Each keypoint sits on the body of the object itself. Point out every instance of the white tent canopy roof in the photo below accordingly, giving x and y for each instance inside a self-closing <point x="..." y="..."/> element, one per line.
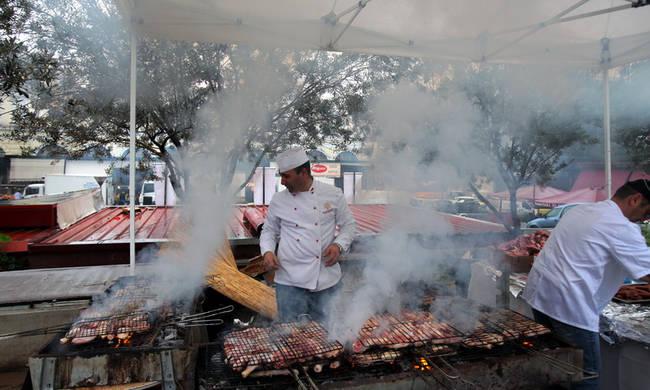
<point x="502" y="31"/>
<point x="563" y="32"/>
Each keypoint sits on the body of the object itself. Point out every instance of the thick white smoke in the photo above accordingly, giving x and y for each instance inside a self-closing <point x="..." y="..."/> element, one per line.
<point x="422" y="142"/>
<point x="222" y="127"/>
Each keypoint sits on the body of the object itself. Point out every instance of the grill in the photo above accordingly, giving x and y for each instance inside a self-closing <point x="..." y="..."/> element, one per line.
<point x="127" y="335"/>
<point x="404" y="348"/>
<point x="279" y="346"/>
<point x="108" y="328"/>
<point x="411" y="328"/>
<point x="512" y="325"/>
<point x="497" y="326"/>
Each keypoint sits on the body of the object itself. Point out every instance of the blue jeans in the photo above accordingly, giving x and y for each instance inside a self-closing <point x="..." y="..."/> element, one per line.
<point x="586" y="340"/>
<point x="294" y="301"/>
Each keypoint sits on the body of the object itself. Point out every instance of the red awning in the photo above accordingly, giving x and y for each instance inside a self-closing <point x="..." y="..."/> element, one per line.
<point x="585" y="195"/>
<point x="530" y="193"/>
<point x="596" y="179"/>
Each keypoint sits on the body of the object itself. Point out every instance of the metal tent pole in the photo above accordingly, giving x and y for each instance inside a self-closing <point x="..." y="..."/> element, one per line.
<point x="607" y="142"/>
<point x="132" y="155"/>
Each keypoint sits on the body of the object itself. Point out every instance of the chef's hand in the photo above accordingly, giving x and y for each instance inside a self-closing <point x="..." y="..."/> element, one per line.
<point x="271" y="261"/>
<point x="331" y="255"/>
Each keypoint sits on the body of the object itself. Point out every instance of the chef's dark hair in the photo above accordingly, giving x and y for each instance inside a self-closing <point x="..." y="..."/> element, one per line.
<point x="634" y="187"/>
<point x="302" y="167"/>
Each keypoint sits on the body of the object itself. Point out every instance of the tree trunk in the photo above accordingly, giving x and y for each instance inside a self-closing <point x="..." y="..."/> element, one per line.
<point x="516" y="223"/>
<point x="490" y="206"/>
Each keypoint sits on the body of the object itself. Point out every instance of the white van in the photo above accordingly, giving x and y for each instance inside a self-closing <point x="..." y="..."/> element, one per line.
<point x="148" y="193"/>
<point x="33" y="190"/>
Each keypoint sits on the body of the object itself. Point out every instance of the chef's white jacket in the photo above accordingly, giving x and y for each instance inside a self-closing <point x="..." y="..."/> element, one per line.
<point x="304" y="224"/>
<point x="590" y="252"/>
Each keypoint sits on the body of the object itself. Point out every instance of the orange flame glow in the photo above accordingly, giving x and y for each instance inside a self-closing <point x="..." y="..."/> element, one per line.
<point x="423" y="365"/>
<point x="123" y="341"/>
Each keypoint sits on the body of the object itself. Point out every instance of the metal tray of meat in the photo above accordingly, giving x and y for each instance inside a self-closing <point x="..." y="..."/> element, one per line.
<point x="633" y="286"/>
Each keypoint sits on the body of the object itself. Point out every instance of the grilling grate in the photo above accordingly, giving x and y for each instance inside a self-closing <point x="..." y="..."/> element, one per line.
<point x="278" y="346"/>
<point x="412" y="328"/>
<point x="502" y="325"/>
<point x="483" y="337"/>
<point x="108" y="326"/>
<point x="513" y="325"/>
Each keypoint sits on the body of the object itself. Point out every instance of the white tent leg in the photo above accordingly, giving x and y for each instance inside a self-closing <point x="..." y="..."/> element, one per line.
<point x="132" y="155"/>
<point x="607" y="134"/>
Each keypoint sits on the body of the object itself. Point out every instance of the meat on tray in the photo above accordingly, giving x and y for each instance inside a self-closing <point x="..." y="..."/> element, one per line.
<point x="525" y="245"/>
<point x="634" y="293"/>
<point x="409" y="328"/>
<point x="278" y="346"/>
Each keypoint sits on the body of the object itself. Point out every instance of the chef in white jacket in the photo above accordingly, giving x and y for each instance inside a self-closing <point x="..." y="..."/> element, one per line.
<point x="591" y="251"/>
<point x="301" y="222"/>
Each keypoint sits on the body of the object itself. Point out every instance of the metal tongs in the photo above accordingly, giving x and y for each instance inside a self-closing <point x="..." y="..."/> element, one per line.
<point x="203" y="319"/>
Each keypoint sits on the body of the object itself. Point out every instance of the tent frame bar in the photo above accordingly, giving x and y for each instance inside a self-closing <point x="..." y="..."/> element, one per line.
<point x="535" y="28"/>
<point x="567" y="19"/>
<point x="132" y="106"/>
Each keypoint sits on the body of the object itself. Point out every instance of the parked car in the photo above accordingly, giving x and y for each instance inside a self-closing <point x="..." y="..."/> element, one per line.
<point x="469" y="205"/>
<point x="552" y="217"/>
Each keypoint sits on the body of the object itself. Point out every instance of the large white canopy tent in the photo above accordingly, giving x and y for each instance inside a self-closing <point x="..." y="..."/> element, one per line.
<point x="596" y="34"/>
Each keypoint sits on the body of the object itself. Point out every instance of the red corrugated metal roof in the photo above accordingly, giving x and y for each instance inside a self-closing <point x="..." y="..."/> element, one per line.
<point x="372" y="218"/>
<point x="111" y="224"/>
<point x="21" y="238"/>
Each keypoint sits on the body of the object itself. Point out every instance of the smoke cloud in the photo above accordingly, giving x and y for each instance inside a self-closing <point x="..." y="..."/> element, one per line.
<point x="422" y="143"/>
<point x="222" y="125"/>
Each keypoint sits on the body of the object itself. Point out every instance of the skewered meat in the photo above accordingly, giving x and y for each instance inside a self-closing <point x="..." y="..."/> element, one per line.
<point x="409" y="328"/>
<point x="483" y="339"/>
<point x="279" y="346"/>
<point x="370" y="358"/>
<point x="496" y="326"/>
<point x="83" y="340"/>
<point x="121" y="327"/>
<point x="512" y="325"/>
<point x="248" y="370"/>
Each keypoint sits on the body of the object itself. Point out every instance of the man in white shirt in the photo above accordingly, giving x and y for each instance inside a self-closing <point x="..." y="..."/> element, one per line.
<point x="301" y="221"/>
<point x="583" y="264"/>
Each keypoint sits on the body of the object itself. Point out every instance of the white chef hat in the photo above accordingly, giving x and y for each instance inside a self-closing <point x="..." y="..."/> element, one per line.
<point x="291" y="158"/>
